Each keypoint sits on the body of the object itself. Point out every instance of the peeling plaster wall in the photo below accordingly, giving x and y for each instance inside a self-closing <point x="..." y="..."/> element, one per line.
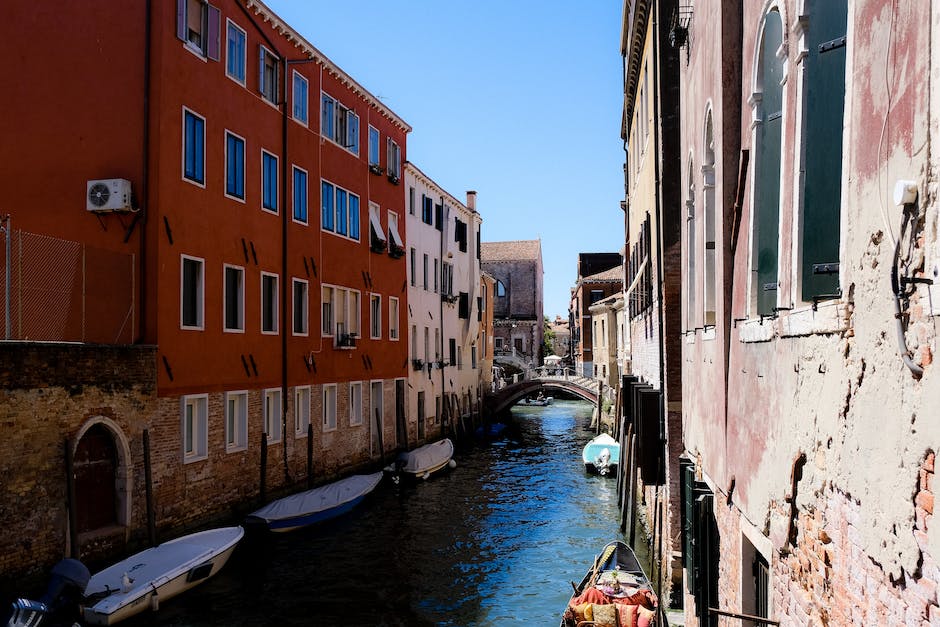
<point x="829" y="383"/>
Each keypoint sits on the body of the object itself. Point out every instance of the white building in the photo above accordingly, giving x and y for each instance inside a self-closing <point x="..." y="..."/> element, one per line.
<point x="444" y="310"/>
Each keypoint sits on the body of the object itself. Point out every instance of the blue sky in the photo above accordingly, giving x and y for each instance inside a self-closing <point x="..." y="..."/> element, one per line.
<point x="519" y="100"/>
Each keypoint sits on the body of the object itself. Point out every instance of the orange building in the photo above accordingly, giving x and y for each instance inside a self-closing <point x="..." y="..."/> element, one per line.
<point x="201" y="178"/>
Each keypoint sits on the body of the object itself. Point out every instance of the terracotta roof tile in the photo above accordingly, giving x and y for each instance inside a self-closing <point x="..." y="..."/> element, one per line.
<point x="510" y="251"/>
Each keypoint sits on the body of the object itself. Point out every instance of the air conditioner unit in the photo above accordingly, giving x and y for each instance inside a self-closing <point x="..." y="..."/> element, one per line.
<point x="108" y="195"/>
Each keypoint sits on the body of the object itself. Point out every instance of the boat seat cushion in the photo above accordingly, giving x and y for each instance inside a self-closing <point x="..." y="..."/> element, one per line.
<point x="645" y="617"/>
<point x="604" y="615"/>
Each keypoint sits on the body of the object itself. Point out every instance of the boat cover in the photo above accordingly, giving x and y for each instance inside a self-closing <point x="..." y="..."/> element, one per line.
<point x="319" y="499"/>
<point x="150" y="569"/>
<point x="427" y="457"/>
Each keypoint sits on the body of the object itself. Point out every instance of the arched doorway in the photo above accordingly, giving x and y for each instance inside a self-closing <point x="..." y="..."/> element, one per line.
<point x="96" y="468"/>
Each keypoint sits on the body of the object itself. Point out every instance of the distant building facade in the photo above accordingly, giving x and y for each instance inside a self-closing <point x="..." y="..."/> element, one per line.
<point x="445" y="304"/>
<point x="599" y="275"/>
<point x="517" y="305"/>
<point x="561" y="344"/>
<point x="604" y="339"/>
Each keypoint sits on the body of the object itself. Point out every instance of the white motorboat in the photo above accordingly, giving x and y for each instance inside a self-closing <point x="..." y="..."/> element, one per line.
<point x="423" y="461"/>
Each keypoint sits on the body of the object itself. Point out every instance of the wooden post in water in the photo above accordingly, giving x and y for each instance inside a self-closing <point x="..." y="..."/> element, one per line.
<point x="264" y="466"/>
<point x="70" y="492"/>
<point x="631" y="493"/>
<point x="378" y="426"/>
<point x="600" y="405"/>
<point x="309" y="455"/>
<point x="148" y="487"/>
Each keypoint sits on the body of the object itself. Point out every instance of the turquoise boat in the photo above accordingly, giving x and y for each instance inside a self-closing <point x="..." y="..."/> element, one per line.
<point x="601" y="455"/>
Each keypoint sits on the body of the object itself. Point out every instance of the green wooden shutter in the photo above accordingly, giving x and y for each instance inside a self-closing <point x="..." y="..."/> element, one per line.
<point x="706" y="557"/>
<point x="686" y="482"/>
<point x="825" y="107"/>
<point x="767" y="212"/>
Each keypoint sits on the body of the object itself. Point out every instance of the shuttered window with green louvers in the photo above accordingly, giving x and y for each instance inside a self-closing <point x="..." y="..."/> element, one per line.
<point x="767" y="178"/>
<point x="824" y="68"/>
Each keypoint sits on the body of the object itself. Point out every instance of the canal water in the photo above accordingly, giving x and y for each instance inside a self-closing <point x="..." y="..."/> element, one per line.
<point x="494" y="542"/>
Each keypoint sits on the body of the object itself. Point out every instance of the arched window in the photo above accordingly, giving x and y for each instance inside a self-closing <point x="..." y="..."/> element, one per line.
<point x="500" y="289"/>
<point x="691" y="233"/>
<point x="824" y="74"/>
<point x="766" y="210"/>
<point x="708" y="192"/>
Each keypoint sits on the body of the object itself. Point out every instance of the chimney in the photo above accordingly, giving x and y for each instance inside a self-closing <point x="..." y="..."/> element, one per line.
<point x="472" y="201"/>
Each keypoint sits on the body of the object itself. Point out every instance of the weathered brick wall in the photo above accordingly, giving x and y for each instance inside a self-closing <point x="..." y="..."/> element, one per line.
<point x="48" y="392"/>
<point x="827" y="578"/>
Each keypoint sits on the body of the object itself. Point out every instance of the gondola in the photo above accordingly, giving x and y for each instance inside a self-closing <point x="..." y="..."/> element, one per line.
<point x="615" y="591"/>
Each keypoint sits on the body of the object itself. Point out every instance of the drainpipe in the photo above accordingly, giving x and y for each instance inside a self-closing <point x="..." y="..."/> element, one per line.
<point x="8" y="325"/>
<point x="145" y="180"/>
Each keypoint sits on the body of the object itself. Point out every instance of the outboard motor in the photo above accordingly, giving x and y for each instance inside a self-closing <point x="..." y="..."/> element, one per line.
<point x="60" y="605"/>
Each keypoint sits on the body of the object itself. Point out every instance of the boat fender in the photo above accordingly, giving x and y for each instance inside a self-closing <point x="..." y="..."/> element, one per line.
<point x="154" y="601"/>
<point x="426" y="475"/>
<point x="451" y="464"/>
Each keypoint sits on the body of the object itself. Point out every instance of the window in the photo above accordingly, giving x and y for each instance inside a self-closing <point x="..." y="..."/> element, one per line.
<point x="194" y="425"/>
<point x="411" y="201"/>
<point x="473" y="354"/>
<point x="459" y="357"/>
<point x="339" y="123"/>
<point x="234" y="166"/>
<point x="194" y="147"/>
<point x="498" y="345"/>
<point x="394" y="161"/>
<point x="268" y="303"/>
<point x="823" y="72"/>
<point x="377" y="239"/>
<point x="425" y="271"/>
<point x="268" y="181"/>
<point x="463" y="306"/>
<point x="373" y="146"/>
<point x="191" y="292"/>
<point x="301" y="410"/>
<point x="300" y="195"/>
<point x="414" y="270"/>
<point x="452" y="353"/>
<point x="427" y="210"/>
<point x="460" y="234"/>
<point x="422" y="418"/>
<point x="300" y="98"/>
<point x="355" y="403"/>
<point x="708" y="191"/>
<point x="235" y="56"/>
<point x="340" y="314"/>
<point x="766" y="211"/>
<point x="437" y="344"/>
<point x="375" y="306"/>
<point x="329" y="407"/>
<point x="414" y="342"/>
<point x="596" y="295"/>
<point x="396" y="246"/>
<point x="198" y="24"/>
<point x="691" y="255"/>
<point x="500" y="289"/>
<point x="427" y="348"/>
<point x="437" y="272"/>
<point x="300" y="307"/>
<point x="447" y="279"/>
<point x="340" y="210"/>
<point x="392" y="318"/>
<point x="267" y="75"/>
<point x="234" y="286"/>
<point x="236" y="421"/>
<point x="272" y="414"/>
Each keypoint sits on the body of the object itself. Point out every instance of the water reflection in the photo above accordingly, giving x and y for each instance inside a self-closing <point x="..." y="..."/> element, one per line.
<point x="495" y="542"/>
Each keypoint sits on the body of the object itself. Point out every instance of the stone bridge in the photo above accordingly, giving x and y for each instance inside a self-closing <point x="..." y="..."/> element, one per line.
<point x="507" y="396"/>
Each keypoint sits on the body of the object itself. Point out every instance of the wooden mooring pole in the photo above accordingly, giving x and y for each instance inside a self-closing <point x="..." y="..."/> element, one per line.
<point x="264" y="466"/>
<point x="309" y="455"/>
<point x="378" y="427"/>
<point x="148" y="487"/>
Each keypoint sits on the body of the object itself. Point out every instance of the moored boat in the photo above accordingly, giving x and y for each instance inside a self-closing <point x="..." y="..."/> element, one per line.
<point x="159" y="573"/>
<point x="316" y="505"/>
<point x="423" y="461"/>
<point x="615" y="591"/>
<point x="601" y="455"/>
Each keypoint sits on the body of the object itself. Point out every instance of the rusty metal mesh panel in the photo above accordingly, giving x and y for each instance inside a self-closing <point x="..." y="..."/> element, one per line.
<point x="62" y="290"/>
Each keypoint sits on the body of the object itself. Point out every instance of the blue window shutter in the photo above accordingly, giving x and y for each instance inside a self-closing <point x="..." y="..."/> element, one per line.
<point x="767" y="178"/>
<point x="181" y="19"/>
<point x="261" y="84"/>
<point x="354" y="217"/>
<point x="326" y="206"/>
<point x="215" y="29"/>
<point x="825" y="108"/>
<point x="240" y="169"/>
<point x="341" y="212"/>
<point x="230" y="164"/>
